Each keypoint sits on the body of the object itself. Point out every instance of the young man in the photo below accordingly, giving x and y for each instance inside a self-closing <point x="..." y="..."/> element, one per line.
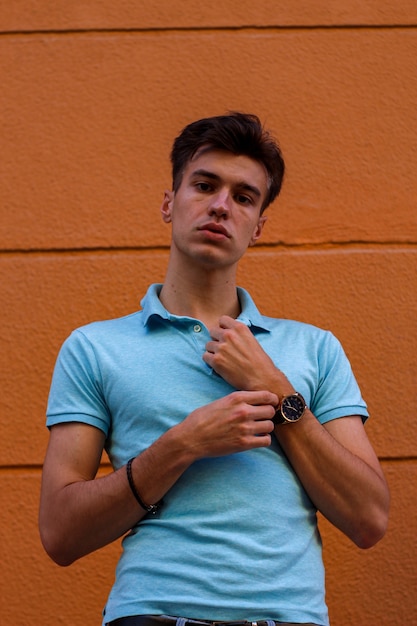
<point x="227" y="430"/>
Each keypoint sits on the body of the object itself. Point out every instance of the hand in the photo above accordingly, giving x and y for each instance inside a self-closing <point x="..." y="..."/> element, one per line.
<point x="239" y="421"/>
<point x="237" y="356"/>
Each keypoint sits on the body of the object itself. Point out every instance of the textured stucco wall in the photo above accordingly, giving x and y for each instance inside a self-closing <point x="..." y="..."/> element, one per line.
<point x="92" y="94"/>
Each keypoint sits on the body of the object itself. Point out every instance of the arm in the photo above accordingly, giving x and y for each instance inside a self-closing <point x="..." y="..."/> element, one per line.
<point x="335" y="462"/>
<point x="80" y="513"/>
<point x="341" y="474"/>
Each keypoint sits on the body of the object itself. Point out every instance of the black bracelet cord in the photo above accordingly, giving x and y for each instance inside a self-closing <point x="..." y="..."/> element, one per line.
<point x="150" y="508"/>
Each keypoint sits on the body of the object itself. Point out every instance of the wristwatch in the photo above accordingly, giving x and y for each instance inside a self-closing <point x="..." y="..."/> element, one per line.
<point x="290" y="409"/>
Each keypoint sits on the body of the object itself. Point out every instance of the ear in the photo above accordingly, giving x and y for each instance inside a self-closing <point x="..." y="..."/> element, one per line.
<point x="166" y="206"/>
<point x="258" y="230"/>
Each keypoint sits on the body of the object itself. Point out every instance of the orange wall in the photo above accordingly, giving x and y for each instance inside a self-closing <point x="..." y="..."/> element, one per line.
<point x="92" y="93"/>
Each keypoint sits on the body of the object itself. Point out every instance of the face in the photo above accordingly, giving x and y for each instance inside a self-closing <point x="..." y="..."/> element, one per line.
<point x="215" y="213"/>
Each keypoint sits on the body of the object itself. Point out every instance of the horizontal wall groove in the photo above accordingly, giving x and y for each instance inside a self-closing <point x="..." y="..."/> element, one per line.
<point x="4" y="469"/>
<point x="212" y="28"/>
<point x="36" y="468"/>
<point x="397" y="460"/>
<point x="360" y="246"/>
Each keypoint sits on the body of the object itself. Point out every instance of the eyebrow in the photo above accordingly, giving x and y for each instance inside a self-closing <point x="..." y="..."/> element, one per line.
<point x="217" y="178"/>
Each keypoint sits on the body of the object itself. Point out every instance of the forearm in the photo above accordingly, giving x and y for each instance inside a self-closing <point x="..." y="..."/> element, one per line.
<point x="346" y="489"/>
<point x="338" y="469"/>
<point x="86" y="514"/>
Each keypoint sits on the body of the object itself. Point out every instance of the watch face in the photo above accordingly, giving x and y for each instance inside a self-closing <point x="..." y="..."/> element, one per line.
<point x="292" y="407"/>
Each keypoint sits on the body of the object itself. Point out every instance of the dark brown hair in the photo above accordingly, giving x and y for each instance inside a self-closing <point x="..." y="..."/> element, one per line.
<point x="238" y="133"/>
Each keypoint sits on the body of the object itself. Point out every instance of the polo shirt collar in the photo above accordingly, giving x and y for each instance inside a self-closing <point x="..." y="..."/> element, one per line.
<point x="152" y="307"/>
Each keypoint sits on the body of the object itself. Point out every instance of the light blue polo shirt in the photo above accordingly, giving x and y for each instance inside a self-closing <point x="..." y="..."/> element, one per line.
<point x="237" y="536"/>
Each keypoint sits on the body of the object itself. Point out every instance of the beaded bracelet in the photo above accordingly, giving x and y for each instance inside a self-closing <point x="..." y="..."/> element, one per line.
<point x="150" y="508"/>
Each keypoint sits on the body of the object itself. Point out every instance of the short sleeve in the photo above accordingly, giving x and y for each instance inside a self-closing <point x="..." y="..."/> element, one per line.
<point x="338" y="393"/>
<point x="76" y="393"/>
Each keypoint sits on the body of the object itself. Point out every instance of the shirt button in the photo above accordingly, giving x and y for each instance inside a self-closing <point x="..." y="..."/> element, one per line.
<point x="197" y="328"/>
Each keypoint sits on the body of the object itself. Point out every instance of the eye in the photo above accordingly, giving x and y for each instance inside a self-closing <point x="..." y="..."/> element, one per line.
<point x="203" y="186"/>
<point x="242" y="199"/>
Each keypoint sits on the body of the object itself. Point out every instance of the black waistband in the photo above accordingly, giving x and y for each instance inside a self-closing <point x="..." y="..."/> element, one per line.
<point x="167" y="620"/>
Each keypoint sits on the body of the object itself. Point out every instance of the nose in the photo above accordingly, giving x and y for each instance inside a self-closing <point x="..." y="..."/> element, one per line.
<point x="220" y="204"/>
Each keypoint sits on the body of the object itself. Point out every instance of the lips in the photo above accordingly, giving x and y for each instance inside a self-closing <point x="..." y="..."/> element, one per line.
<point x="217" y="229"/>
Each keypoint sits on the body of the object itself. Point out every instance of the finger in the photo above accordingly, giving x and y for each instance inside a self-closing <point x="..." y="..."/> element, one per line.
<point x="212" y="346"/>
<point x="259" y="398"/>
<point x="215" y="333"/>
<point x="262" y="441"/>
<point x="263" y="427"/>
<point x="263" y="414"/>
<point x="227" y="322"/>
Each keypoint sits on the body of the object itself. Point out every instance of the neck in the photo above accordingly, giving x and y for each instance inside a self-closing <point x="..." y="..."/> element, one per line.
<point x="203" y="295"/>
